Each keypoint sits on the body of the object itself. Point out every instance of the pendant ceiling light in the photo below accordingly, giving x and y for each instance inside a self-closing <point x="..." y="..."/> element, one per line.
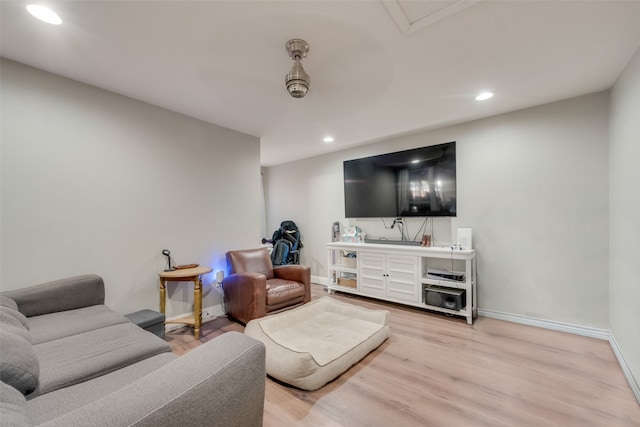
<point x="297" y="80"/>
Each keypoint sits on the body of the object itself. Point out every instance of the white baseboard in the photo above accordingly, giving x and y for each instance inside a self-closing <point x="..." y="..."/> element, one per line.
<point x="586" y="331"/>
<point x="320" y="280"/>
<point x="625" y="368"/>
<point x="208" y="314"/>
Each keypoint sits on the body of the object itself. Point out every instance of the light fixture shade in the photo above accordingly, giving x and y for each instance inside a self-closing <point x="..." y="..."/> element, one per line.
<point x="297" y="80"/>
<point x="44" y="14"/>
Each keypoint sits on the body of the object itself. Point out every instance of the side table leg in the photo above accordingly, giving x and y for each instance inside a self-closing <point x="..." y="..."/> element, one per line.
<point x="197" y="306"/>
<point x="163" y="298"/>
<point x="163" y="295"/>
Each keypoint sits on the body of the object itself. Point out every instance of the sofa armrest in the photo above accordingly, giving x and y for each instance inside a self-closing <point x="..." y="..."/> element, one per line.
<point x="245" y="295"/>
<point x="59" y="295"/>
<point x="222" y="382"/>
<point x="297" y="273"/>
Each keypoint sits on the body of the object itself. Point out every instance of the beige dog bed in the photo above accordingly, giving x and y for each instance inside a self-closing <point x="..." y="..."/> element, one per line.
<point x="311" y="345"/>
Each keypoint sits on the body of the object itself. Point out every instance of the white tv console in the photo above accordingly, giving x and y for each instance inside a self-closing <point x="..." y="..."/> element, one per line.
<point x="398" y="273"/>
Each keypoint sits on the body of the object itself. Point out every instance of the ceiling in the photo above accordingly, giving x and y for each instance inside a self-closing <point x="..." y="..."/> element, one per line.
<point x="378" y="69"/>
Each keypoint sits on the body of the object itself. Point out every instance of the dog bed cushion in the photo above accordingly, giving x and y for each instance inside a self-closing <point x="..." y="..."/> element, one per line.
<point x="313" y="344"/>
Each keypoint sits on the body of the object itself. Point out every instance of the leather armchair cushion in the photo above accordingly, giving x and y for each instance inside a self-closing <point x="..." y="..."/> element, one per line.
<point x="296" y="273"/>
<point x="250" y="261"/>
<point x="280" y="290"/>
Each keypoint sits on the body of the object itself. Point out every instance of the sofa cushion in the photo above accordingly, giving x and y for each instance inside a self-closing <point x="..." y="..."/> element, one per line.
<point x="19" y="365"/>
<point x="53" y="405"/>
<point x="220" y="383"/>
<point x="13" y="312"/>
<point x="59" y="295"/>
<point x="70" y="360"/>
<point x="49" y="327"/>
<point x="12" y="407"/>
<point x="8" y="302"/>
<point x="11" y="323"/>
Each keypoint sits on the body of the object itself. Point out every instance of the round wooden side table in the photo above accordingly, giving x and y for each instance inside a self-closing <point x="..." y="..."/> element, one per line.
<point x="185" y="275"/>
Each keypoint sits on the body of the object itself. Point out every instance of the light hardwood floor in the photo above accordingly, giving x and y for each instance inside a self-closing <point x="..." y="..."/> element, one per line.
<point x="439" y="371"/>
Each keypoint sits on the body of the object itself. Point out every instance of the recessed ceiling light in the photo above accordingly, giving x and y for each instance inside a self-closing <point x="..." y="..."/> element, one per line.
<point x="44" y="14"/>
<point x="484" y="96"/>
<point x="328" y="139"/>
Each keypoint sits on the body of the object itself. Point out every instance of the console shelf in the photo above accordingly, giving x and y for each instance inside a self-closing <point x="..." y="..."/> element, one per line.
<point x="343" y="268"/>
<point x="399" y="273"/>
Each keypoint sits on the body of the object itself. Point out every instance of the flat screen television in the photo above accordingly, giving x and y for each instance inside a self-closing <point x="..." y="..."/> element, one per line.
<point x="417" y="182"/>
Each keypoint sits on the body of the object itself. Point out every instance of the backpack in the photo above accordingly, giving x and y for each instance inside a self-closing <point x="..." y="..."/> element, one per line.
<point x="280" y="253"/>
<point x="286" y="244"/>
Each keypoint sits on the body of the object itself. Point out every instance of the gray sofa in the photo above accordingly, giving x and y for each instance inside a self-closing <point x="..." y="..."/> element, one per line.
<point x="66" y="359"/>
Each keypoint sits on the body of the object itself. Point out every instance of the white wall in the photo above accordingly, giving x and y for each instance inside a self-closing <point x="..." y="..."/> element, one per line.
<point x="624" y="196"/>
<point x="532" y="184"/>
<point x="94" y="182"/>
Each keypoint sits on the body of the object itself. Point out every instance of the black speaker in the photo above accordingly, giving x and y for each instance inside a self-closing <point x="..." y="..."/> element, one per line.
<point x="453" y="299"/>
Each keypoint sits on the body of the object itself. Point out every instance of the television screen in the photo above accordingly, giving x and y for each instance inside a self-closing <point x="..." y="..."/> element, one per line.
<point x="418" y="182"/>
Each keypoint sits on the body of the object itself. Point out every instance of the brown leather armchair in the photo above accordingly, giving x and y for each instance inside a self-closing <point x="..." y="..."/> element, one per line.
<point x="254" y="288"/>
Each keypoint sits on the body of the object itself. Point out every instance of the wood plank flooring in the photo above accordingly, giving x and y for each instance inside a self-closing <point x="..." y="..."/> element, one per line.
<point x="439" y="371"/>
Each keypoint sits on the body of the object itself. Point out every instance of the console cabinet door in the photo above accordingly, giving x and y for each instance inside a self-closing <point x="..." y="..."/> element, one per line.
<point x="402" y="277"/>
<point x="371" y="273"/>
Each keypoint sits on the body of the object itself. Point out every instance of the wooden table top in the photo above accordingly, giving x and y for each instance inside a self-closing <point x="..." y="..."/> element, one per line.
<point x="185" y="272"/>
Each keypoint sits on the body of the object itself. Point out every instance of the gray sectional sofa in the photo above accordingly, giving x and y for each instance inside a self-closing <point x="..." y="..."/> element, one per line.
<point x="66" y="359"/>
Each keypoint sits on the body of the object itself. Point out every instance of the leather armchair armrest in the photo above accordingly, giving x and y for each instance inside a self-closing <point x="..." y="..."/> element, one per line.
<point x="297" y="273"/>
<point x="245" y="295"/>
